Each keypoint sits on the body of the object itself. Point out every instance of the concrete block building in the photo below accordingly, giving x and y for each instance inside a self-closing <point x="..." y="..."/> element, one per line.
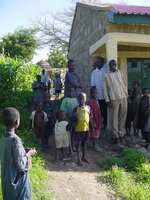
<point x="119" y="32"/>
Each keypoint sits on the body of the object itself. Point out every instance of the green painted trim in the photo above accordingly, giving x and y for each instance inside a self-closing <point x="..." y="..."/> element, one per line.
<point x="117" y="18"/>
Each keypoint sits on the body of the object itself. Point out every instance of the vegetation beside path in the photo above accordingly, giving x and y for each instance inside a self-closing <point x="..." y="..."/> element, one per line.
<point x="128" y="175"/>
<point x="15" y="88"/>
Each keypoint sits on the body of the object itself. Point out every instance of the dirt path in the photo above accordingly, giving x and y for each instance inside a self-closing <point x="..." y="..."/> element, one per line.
<point x="71" y="182"/>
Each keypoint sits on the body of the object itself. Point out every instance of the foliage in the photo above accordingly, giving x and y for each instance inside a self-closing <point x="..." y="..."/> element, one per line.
<point x="57" y="58"/>
<point x="133" y="159"/>
<point x="107" y="163"/>
<point x="131" y="180"/>
<point x="55" y="28"/>
<point x="21" y="44"/>
<point x="15" y="87"/>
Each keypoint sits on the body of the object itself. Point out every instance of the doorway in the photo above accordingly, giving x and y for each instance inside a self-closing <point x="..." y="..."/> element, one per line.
<point x="139" y="70"/>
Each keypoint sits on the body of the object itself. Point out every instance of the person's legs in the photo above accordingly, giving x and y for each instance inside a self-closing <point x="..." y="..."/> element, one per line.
<point x="122" y="112"/>
<point x="147" y="135"/>
<point x="114" y="117"/>
<point x="37" y="133"/>
<point x="78" y="153"/>
<point x="42" y="136"/>
<point x="103" y="108"/>
<point x="83" y="152"/>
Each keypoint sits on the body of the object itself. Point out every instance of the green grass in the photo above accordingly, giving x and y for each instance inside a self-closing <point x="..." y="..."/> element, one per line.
<point x="38" y="173"/>
<point x="130" y="179"/>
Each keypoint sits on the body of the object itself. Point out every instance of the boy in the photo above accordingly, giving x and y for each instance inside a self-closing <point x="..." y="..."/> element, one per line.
<point x="48" y="108"/>
<point x="143" y="107"/>
<point x="15" y="161"/>
<point x="83" y="113"/>
<point x="38" y="120"/>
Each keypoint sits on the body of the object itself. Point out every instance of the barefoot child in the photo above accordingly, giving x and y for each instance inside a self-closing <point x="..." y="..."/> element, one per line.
<point x="38" y="120"/>
<point x="83" y="113"/>
<point x="67" y="106"/>
<point x="96" y="120"/>
<point x="15" y="161"/>
<point x="61" y="135"/>
<point x="48" y="108"/>
<point x="143" y="109"/>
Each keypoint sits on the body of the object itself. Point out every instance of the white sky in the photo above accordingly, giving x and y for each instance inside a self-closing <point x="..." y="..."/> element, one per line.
<point x="16" y="13"/>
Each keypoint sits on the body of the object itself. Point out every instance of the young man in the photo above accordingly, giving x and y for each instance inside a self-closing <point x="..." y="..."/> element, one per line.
<point x="116" y="94"/>
<point x="97" y="80"/>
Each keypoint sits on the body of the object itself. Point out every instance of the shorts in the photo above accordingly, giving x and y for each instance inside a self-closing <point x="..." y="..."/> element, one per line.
<point x="57" y="91"/>
<point x="82" y="136"/>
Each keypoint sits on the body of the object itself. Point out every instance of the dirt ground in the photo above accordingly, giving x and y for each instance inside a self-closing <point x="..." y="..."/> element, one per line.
<point x="71" y="182"/>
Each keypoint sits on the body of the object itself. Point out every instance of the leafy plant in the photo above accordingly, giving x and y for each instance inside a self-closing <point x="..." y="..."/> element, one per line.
<point x="21" y="44"/>
<point x="133" y="159"/>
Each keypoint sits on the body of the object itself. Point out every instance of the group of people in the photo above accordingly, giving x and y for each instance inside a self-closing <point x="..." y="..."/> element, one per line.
<point x="110" y="106"/>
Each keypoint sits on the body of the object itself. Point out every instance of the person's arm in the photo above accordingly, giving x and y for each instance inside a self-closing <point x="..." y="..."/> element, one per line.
<point x="73" y="81"/>
<point x="93" y="83"/>
<point x="106" y="91"/>
<point x="21" y="159"/>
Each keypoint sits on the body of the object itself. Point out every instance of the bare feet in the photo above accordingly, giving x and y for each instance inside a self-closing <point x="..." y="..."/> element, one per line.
<point x="85" y="160"/>
<point x="80" y="164"/>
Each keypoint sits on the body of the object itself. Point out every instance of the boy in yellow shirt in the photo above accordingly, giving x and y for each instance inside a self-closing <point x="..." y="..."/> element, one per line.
<point x="83" y="113"/>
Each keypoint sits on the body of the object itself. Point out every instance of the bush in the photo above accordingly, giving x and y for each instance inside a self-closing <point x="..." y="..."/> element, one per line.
<point x="133" y="159"/>
<point x="131" y="180"/>
<point x="15" y="89"/>
<point x="107" y="163"/>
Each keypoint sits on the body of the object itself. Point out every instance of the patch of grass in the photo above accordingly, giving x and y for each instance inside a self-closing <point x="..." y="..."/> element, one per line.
<point x="131" y="179"/>
<point x="107" y="163"/>
<point x="133" y="159"/>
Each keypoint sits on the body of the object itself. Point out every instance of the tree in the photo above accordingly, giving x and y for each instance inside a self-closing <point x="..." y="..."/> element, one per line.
<point x="21" y="44"/>
<point x="55" y="29"/>
<point x="57" y="58"/>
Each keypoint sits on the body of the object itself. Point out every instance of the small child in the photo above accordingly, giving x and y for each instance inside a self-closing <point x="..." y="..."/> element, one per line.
<point x="15" y="160"/>
<point x="69" y="103"/>
<point x="83" y="113"/>
<point x="135" y="100"/>
<point x="128" y="118"/>
<point x="96" y="120"/>
<point x="48" y="108"/>
<point x="67" y="106"/>
<point x="61" y="135"/>
<point x="143" y="107"/>
<point x="58" y="85"/>
<point x="38" y="120"/>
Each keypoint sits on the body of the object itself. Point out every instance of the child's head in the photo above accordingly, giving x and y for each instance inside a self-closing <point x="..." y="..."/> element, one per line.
<point x="145" y="91"/>
<point x="82" y="98"/>
<point x="47" y="98"/>
<point x="129" y="92"/>
<point x="38" y="106"/>
<point x="71" y="65"/>
<point x="11" y="117"/>
<point x="61" y="116"/>
<point x="38" y="77"/>
<point x="93" y="92"/>
<point x="135" y="85"/>
<point x="70" y="92"/>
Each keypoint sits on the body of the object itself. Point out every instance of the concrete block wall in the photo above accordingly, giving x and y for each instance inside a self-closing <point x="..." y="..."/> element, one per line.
<point x="89" y="26"/>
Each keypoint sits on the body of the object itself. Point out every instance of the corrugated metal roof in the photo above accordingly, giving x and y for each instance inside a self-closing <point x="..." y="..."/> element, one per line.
<point x="124" y="9"/>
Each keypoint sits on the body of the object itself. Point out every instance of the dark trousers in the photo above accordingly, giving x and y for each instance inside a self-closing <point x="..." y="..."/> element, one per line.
<point x="103" y="108"/>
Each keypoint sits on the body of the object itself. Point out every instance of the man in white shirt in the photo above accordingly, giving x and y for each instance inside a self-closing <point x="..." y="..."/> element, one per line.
<point x="44" y="78"/>
<point x="97" y="80"/>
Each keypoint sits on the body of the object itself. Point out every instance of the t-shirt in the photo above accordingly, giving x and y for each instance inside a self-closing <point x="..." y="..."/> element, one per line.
<point x="83" y="114"/>
<point x="68" y="105"/>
